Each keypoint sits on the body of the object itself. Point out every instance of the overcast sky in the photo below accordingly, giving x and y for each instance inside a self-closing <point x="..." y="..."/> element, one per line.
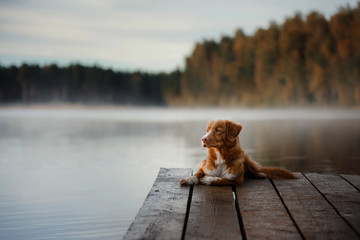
<point x="150" y="35"/>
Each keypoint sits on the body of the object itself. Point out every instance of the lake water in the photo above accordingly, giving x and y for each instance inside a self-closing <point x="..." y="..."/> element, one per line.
<point x="83" y="173"/>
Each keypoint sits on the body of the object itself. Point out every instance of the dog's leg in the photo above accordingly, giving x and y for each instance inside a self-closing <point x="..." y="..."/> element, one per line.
<point x="253" y="169"/>
<point x="216" y="181"/>
<point x="192" y="180"/>
<point x="259" y="175"/>
<point x="199" y="174"/>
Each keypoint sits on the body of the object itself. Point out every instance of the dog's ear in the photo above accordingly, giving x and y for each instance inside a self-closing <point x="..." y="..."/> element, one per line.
<point x="232" y="130"/>
<point x="209" y="124"/>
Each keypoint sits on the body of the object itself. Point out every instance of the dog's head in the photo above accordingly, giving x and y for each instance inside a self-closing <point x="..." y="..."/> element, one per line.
<point x="221" y="133"/>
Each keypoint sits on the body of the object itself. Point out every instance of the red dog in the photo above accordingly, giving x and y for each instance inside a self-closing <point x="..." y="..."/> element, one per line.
<point x="226" y="162"/>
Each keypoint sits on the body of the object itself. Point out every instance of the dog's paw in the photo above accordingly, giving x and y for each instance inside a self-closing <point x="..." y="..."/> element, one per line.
<point x="207" y="180"/>
<point x="192" y="180"/>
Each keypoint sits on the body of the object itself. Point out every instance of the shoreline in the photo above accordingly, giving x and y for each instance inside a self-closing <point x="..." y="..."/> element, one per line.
<point x="175" y="114"/>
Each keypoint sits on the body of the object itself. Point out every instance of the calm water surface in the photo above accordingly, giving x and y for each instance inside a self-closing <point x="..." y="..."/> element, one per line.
<point x="84" y="173"/>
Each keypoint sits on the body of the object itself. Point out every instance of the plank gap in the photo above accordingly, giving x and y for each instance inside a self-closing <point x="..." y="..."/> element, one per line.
<point x="238" y="212"/>
<point x="349" y="182"/>
<point x="188" y="206"/>
<point x="287" y="209"/>
<point x="337" y="211"/>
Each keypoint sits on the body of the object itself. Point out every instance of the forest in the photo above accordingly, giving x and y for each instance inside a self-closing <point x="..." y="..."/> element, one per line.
<point x="305" y="61"/>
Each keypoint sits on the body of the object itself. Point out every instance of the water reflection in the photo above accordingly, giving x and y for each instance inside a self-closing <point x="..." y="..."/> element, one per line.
<point x="309" y="146"/>
<point x="63" y="176"/>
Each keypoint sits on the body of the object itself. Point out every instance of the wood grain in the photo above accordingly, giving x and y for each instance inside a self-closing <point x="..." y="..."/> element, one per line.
<point x="342" y="196"/>
<point x="163" y="213"/>
<point x="212" y="214"/>
<point x="315" y="217"/>
<point x="264" y="216"/>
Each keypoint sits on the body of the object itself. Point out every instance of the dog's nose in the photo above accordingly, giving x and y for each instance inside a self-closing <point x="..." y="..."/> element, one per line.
<point x="204" y="139"/>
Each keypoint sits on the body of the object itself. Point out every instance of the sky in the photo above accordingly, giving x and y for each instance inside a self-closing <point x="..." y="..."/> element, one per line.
<point x="129" y="35"/>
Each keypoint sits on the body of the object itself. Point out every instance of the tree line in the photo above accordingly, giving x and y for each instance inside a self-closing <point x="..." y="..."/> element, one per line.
<point x="80" y="84"/>
<point x="307" y="60"/>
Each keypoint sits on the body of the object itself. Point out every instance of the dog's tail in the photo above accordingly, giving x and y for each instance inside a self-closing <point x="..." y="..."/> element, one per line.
<point x="277" y="173"/>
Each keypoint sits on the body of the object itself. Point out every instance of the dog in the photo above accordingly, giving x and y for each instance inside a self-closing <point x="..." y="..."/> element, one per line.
<point x="226" y="162"/>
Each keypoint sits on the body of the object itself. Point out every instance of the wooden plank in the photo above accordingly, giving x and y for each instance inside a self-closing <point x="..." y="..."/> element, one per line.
<point x="342" y="196"/>
<point x="353" y="179"/>
<point x="162" y="215"/>
<point x="315" y="217"/>
<point x="212" y="214"/>
<point x="263" y="214"/>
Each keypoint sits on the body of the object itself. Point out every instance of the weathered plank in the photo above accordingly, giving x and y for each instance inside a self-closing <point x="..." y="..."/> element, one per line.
<point x="343" y="196"/>
<point x="315" y="217"/>
<point x="212" y="214"/>
<point x="263" y="214"/>
<point x="353" y="179"/>
<point x="162" y="215"/>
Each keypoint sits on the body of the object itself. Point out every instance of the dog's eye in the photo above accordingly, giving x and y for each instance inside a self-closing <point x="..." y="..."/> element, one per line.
<point x="217" y="130"/>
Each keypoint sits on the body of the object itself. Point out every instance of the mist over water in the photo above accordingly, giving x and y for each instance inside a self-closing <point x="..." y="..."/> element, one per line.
<point x="83" y="173"/>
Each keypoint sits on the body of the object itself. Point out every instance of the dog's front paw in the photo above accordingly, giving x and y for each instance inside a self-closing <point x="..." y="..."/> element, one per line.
<point x="192" y="180"/>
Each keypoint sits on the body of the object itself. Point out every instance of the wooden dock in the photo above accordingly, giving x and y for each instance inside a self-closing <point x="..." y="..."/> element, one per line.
<point x="315" y="206"/>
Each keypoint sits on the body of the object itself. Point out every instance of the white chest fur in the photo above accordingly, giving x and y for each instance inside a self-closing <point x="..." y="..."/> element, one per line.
<point x="220" y="169"/>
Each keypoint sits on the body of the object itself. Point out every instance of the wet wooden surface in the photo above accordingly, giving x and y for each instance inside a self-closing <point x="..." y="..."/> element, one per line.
<point x="212" y="214"/>
<point x="163" y="213"/>
<point x="315" y="206"/>
<point x="341" y="195"/>
<point x="259" y="203"/>
<point x="314" y="216"/>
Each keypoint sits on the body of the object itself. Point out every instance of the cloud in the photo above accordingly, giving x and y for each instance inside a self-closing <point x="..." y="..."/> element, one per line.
<point x="123" y="36"/>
